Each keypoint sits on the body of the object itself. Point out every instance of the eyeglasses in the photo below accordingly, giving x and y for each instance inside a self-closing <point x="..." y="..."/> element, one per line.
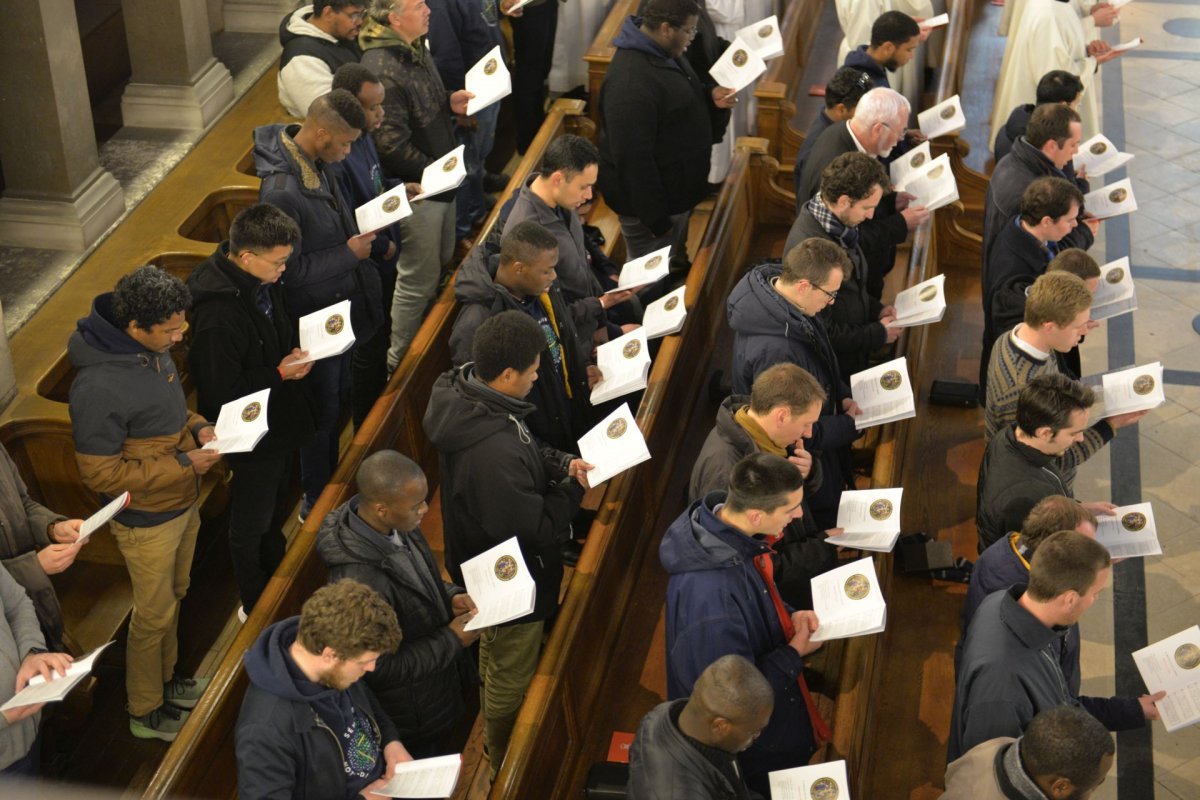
<point x="831" y="295"/>
<point x="691" y="32"/>
<point x="356" y="16"/>
<point x="275" y="264"/>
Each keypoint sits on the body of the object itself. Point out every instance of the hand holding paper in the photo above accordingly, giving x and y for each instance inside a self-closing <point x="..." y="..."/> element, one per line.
<point x="644" y="270"/>
<point x="500" y="584"/>
<point x="241" y="424"/>
<point x="488" y="80"/>
<point x="738" y="66"/>
<point x="447" y="173"/>
<point x="101" y="517"/>
<point x="613" y="446"/>
<point x="326" y="333"/>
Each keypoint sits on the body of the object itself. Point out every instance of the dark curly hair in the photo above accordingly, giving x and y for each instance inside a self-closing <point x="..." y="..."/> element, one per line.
<point x="148" y="296"/>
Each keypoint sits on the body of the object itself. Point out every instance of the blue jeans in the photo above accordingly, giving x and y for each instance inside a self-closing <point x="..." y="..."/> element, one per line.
<point x="330" y="385"/>
<point x="478" y="141"/>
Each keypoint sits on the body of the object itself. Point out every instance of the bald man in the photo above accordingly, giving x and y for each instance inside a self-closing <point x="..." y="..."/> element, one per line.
<point x="688" y="747"/>
<point x="375" y="538"/>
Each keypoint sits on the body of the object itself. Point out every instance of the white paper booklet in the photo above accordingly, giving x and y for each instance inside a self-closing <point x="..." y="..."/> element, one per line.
<point x="1132" y="43"/>
<point x="910" y="163"/>
<point x="921" y="304"/>
<point x="1173" y="666"/>
<point x="1100" y="156"/>
<point x="1115" y="293"/>
<point x="391" y="206"/>
<point x="488" y="80"/>
<point x="870" y="519"/>
<point x="1133" y="389"/>
<point x="665" y="315"/>
<point x="517" y="6"/>
<point x="848" y="602"/>
<point x="40" y="690"/>
<point x="425" y="777"/>
<point x="934" y="185"/>
<point x="1112" y="200"/>
<point x="500" y="584"/>
<point x="101" y="517"/>
<point x="943" y="119"/>
<point x="241" y="423"/>
<point x="1130" y="533"/>
<point x="738" y="66"/>
<point x="644" y="270"/>
<point x="327" y="332"/>
<point x="884" y="394"/>
<point x="444" y="174"/>
<point x="936" y="22"/>
<point x="625" y="364"/>
<point x="613" y="446"/>
<point x="819" y="781"/>
<point x="764" y="37"/>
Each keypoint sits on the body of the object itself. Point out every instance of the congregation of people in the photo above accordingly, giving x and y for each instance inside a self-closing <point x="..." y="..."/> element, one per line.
<point x="381" y="666"/>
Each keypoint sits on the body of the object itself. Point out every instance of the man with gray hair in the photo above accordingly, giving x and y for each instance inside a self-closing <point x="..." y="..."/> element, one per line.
<point x="1065" y="753"/>
<point x="688" y="747"/>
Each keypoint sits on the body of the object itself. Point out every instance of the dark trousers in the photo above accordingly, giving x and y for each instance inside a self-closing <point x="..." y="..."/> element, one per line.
<point x="369" y="373"/>
<point x="330" y="385"/>
<point x="29" y="764"/>
<point x="257" y="511"/>
<point x="533" y="46"/>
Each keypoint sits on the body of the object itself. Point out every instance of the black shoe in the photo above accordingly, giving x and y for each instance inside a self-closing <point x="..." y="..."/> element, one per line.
<point x="570" y="551"/>
<point x="493" y="183"/>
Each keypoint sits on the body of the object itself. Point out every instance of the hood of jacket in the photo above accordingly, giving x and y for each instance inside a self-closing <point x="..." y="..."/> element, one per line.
<point x="1018" y="121"/>
<point x="296" y="24"/>
<point x="861" y="60"/>
<point x="1034" y="160"/>
<point x="339" y="545"/>
<point x="463" y="411"/>
<point x="210" y="279"/>
<point x="276" y="151"/>
<point x="267" y="665"/>
<point x="699" y="540"/>
<point x="375" y="35"/>
<point x="631" y="37"/>
<point x="476" y="278"/>
<point x="755" y="308"/>
<point x="99" y="340"/>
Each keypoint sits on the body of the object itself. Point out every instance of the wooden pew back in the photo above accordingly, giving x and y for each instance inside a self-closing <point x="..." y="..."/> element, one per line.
<point x="779" y="85"/>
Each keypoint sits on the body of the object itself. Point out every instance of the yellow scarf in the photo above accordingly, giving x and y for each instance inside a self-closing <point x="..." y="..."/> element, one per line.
<point x="757" y="434"/>
<point x="562" y="351"/>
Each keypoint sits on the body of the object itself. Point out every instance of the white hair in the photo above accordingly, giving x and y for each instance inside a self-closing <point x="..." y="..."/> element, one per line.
<point x="881" y="106"/>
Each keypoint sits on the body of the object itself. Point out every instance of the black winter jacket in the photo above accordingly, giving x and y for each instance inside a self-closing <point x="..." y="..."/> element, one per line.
<point x="664" y="765"/>
<point x="498" y="482"/>
<point x="1013" y="477"/>
<point x="236" y="350"/>
<point x="420" y="685"/>
<point x="323" y="270"/>
<point x="1016" y="260"/>
<point x="1014" y="126"/>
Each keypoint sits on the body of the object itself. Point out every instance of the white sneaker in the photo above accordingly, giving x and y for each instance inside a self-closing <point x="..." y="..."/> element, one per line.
<point x="242" y="616"/>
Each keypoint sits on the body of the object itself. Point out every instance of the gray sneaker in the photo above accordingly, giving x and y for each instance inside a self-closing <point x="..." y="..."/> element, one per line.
<point x="184" y="692"/>
<point x="163" y="723"/>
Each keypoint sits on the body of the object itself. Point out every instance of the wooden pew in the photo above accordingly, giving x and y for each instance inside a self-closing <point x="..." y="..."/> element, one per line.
<point x="201" y="761"/>
<point x="779" y="85"/>
<point x="600" y="54"/>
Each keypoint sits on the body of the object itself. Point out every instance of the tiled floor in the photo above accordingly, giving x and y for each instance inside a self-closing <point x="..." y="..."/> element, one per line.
<point x="1160" y="89"/>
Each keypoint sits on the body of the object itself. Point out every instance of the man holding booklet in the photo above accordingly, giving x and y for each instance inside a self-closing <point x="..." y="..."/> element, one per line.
<point x="722" y="600"/>
<point x="244" y="341"/>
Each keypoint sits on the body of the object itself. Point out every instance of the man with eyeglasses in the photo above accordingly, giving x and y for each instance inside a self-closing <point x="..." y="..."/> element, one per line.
<point x="244" y="340"/>
<point x="773" y="312"/>
<point x="659" y="122"/>
<point x="316" y="39"/>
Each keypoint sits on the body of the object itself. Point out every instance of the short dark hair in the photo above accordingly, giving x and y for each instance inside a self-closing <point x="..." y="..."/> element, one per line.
<point x="732" y="688"/>
<point x="1066" y="742"/>
<point x="785" y="384"/>
<point x="524" y="242"/>
<point x="319" y="6"/>
<point x="854" y="175"/>
<point x="349" y="617"/>
<point x="895" y="27"/>
<point x="384" y="473"/>
<point x="1066" y="561"/>
<point x="812" y="260"/>
<point x="352" y="76"/>
<point x="1058" y="86"/>
<point x="762" y="481"/>
<point x="1075" y="261"/>
<point x="148" y="296"/>
<point x="1049" y="197"/>
<point x="1051" y="515"/>
<point x="509" y="340"/>
<point x="338" y="108"/>
<point x="673" y="12"/>
<point x="1051" y="121"/>
<point x="570" y="155"/>
<point x="847" y="86"/>
<point x="261" y="228"/>
<point x="1049" y="401"/>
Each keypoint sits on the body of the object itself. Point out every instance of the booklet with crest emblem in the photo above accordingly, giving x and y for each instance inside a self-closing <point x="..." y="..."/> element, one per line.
<point x="1115" y="293"/>
<point x="910" y="163"/>
<point x="738" y="66"/>
<point x="921" y="304"/>
<point x="943" y="119"/>
<point x="933" y="185"/>
<point x="665" y="315"/>
<point x="1100" y="156"/>
<point x="1133" y="389"/>
<point x="869" y="519"/>
<point x="613" y="446"/>
<point x="884" y="394"/>
<point x="40" y="690"/>
<point x="825" y="781"/>
<point x="500" y="584"/>
<point x="625" y="364"/>
<point x="644" y="270"/>
<point x="241" y="424"/>
<point x="848" y="602"/>
<point x="764" y="37"/>
<point x="390" y="207"/>
<point x="1112" y="200"/>
<point x="1130" y="532"/>
<point x="447" y="173"/>
<point x="488" y="80"/>
<point x="326" y="333"/>
<point x="424" y="777"/>
<point x="1173" y="666"/>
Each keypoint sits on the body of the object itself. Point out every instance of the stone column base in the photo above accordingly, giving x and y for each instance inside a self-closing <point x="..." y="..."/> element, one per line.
<point x="256" y="16"/>
<point x="195" y="107"/>
<point x="73" y="224"/>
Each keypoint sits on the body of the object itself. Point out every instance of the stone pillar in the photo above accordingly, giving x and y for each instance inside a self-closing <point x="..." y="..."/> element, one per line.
<point x="176" y="81"/>
<point x="57" y="196"/>
<point x="258" y="16"/>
